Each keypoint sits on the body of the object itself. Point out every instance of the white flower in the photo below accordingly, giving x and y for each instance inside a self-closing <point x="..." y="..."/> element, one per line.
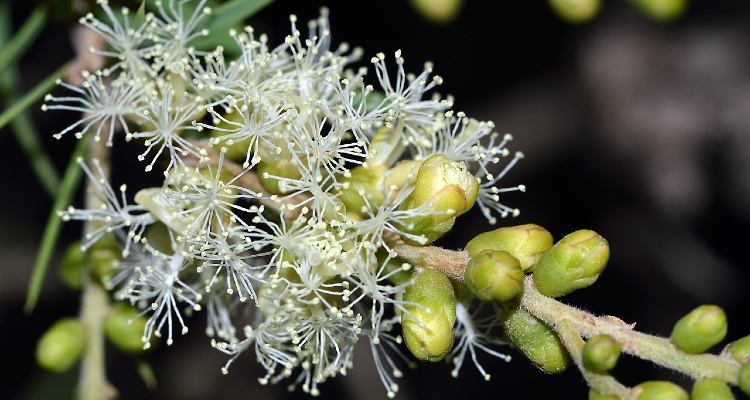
<point x="472" y="336"/>
<point x="114" y="213"/>
<point x="105" y="106"/>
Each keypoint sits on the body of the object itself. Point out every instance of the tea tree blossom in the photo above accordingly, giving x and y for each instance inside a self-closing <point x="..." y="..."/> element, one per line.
<point x="288" y="180"/>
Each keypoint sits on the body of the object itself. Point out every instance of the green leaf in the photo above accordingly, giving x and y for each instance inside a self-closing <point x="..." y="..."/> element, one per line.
<point x="146" y="373"/>
<point x="23" y="38"/>
<point x="31" y="97"/>
<point x="226" y="16"/>
<point x="70" y="182"/>
<point x="23" y="127"/>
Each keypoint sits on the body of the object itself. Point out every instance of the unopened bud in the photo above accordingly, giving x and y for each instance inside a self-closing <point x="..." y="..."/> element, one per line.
<point x="363" y="181"/>
<point x="537" y="341"/>
<point x="61" y="346"/>
<point x="72" y="266"/>
<point x="600" y="353"/>
<point x="662" y="10"/>
<point x="594" y="395"/>
<point x="740" y="349"/>
<point x="575" y="11"/>
<point x="711" y="389"/>
<point x="438" y="11"/>
<point x="526" y="242"/>
<point x="124" y="328"/>
<point x="428" y="321"/>
<point x="574" y="262"/>
<point x="700" y="329"/>
<point x="659" y="390"/>
<point x="494" y="275"/>
<point x="446" y="189"/>
<point x="104" y="258"/>
<point x="276" y="167"/>
<point x="744" y="380"/>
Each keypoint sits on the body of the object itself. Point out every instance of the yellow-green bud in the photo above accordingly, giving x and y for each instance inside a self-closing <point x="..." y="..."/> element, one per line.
<point x="744" y="380"/>
<point x="61" y="346"/>
<point x="537" y="341"/>
<point x="700" y="329"/>
<point x="72" y="266"/>
<point x="574" y="262"/>
<point x="124" y="328"/>
<point x="526" y="242"/>
<point x="600" y="353"/>
<point x="438" y="11"/>
<point x="594" y="395"/>
<point x="575" y="11"/>
<point x="446" y="189"/>
<point x="711" y="389"/>
<point x="662" y="10"/>
<point x="740" y="349"/>
<point x="103" y="262"/>
<point x="659" y="390"/>
<point x="363" y="181"/>
<point x="428" y="323"/>
<point x="277" y="167"/>
<point x="494" y="275"/>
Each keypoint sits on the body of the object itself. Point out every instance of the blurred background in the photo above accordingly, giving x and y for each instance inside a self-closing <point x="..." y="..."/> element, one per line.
<point x="633" y="126"/>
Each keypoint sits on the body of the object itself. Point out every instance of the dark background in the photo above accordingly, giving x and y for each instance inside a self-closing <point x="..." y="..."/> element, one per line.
<point x="637" y="129"/>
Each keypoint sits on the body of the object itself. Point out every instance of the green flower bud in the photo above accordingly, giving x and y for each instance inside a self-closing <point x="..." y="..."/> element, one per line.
<point x="104" y="258"/>
<point x="574" y="262"/>
<point x="363" y="181"/>
<point x="537" y="341"/>
<point x="700" y="329"/>
<point x="594" y="395"/>
<point x="711" y="389"/>
<point x="61" y="346"/>
<point x="438" y="11"/>
<point x="494" y="275"/>
<point x="277" y="166"/>
<point x="446" y="189"/>
<point x="662" y="10"/>
<point x="124" y="328"/>
<point x="575" y="11"/>
<point x="659" y="390"/>
<point x="744" y="381"/>
<point x="72" y="266"/>
<point x="526" y="242"/>
<point x="740" y="349"/>
<point x="428" y="325"/>
<point x="600" y="353"/>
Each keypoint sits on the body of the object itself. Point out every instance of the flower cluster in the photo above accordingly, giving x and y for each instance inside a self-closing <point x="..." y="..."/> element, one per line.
<point x="287" y="179"/>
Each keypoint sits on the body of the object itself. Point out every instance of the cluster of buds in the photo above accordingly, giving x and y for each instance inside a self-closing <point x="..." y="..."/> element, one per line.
<point x="287" y="179"/>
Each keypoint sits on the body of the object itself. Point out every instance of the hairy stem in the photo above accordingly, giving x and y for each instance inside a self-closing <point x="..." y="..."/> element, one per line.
<point x="656" y="349"/>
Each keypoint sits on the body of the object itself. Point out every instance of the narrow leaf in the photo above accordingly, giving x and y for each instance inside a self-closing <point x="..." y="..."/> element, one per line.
<point x="32" y="96"/>
<point x="71" y="179"/>
<point x="24" y="37"/>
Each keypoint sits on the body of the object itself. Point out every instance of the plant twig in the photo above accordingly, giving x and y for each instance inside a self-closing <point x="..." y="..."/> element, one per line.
<point x="656" y="349"/>
<point x="23" y="37"/>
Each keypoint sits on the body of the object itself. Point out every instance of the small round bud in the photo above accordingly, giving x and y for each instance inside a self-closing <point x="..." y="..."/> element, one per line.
<point x="575" y="11"/>
<point x="594" y="395"/>
<point x="659" y="390"/>
<point x="61" y="346"/>
<point x="428" y="323"/>
<point x="711" y="389"/>
<point x="740" y="349"/>
<point x="279" y="166"/>
<point x="700" y="329"/>
<point x="574" y="262"/>
<point x="446" y="189"/>
<point x="524" y="242"/>
<point x="363" y="181"/>
<point x="537" y="341"/>
<point x="124" y="328"/>
<point x="494" y="275"/>
<point x="72" y="266"/>
<point x="438" y="11"/>
<point x="662" y="10"/>
<point x="600" y="353"/>
<point x="744" y="380"/>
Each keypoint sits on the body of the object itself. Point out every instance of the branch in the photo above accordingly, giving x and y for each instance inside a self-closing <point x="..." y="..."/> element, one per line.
<point x="656" y="349"/>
